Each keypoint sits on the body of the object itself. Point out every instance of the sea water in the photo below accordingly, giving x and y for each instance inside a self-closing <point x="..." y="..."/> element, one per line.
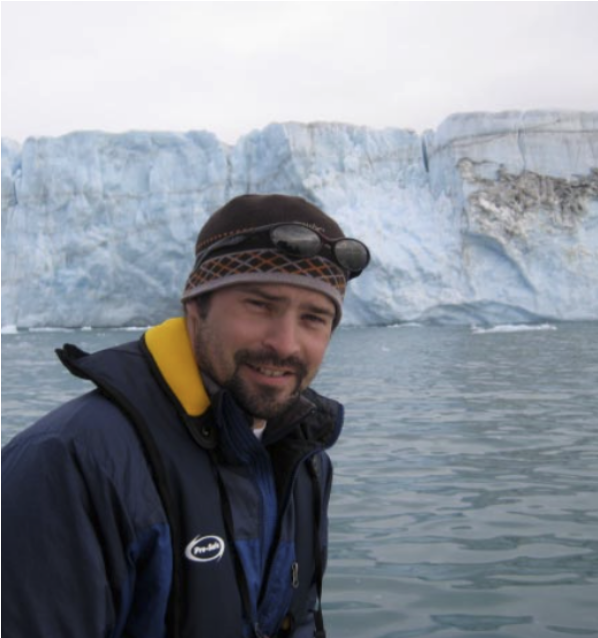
<point x="465" y="500"/>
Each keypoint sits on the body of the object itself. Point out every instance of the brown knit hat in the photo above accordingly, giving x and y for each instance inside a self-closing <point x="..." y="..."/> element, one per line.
<point x="256" y="261"/>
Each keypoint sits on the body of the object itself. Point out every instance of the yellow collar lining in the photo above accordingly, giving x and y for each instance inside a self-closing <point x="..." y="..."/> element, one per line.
<point x="170" y="347"/>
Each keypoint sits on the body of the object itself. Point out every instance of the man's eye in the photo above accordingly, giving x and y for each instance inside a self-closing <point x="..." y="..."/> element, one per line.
<point x="257" y="303"/>
<point x="315" y="319"/>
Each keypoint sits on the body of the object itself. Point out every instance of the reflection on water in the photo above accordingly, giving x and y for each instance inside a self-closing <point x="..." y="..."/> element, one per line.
<point x="465" y="500"/>
<point x="466" y="492"/>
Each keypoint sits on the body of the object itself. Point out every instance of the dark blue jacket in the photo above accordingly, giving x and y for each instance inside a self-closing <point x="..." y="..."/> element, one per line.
<point x="146" y="509"/>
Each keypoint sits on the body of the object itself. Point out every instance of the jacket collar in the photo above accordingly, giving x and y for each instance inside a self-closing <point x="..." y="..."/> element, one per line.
<point x="171" y="350"/>
<point x="170" y="347"/>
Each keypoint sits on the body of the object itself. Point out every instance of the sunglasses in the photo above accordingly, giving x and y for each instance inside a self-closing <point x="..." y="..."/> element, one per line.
<point x="299" y="241"/>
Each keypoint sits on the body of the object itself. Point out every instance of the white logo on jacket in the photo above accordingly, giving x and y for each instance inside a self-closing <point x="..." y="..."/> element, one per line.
<point x="203" y="549"/>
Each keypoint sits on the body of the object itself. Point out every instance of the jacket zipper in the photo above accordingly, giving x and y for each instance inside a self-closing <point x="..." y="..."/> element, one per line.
<point x="275" y="542"/>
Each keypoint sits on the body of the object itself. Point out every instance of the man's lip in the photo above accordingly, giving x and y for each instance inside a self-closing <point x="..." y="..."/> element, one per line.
<point x="271" y="372"/>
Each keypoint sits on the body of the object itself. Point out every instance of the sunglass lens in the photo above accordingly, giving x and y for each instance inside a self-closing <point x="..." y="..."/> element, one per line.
<point x="351" y="254"/>
<point x="298" y="241"/>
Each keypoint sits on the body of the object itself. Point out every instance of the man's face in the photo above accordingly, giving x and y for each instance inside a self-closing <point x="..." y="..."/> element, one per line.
<point x="263" y="342"/>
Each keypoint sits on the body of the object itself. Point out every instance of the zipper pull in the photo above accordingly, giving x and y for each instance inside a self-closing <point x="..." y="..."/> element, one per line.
<point x="295" y="574"/>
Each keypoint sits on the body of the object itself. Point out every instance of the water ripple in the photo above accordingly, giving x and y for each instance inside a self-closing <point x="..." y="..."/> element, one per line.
<point x="465" y="501"/>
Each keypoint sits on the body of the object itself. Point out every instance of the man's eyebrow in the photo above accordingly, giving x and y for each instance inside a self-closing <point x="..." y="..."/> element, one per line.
<point x="319" y="310"/>
<point x="260" y="292"/>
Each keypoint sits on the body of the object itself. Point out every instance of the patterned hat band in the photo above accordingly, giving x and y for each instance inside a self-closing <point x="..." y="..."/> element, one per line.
<point x="268" y="266"/>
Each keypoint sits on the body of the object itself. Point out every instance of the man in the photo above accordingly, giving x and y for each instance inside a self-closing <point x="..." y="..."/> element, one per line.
<point x="186" y="496"/>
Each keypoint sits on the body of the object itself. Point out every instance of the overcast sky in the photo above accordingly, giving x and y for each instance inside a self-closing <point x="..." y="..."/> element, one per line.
<point x="230" y="67"/>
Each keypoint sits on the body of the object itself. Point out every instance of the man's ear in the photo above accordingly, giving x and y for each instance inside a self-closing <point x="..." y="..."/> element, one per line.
<point x="192" y="319"/>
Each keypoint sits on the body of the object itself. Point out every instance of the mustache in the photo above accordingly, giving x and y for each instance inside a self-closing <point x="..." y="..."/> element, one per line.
<point x="264" y="358"/>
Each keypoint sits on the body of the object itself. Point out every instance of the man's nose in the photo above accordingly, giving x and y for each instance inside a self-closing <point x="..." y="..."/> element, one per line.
<point x="283" y="335"/>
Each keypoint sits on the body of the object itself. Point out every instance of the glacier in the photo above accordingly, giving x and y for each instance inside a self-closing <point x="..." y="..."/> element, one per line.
<point x="491" y="218"/>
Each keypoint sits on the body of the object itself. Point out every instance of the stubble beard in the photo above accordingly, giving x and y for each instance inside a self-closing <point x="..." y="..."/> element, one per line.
<point x="262" y="402"/>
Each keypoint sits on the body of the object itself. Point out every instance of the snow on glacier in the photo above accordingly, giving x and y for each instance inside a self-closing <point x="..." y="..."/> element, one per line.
<point x="492" y="218"/>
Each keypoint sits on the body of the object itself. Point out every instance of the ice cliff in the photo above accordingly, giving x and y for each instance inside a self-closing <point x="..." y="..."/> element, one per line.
<point x="491" y="218"/>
